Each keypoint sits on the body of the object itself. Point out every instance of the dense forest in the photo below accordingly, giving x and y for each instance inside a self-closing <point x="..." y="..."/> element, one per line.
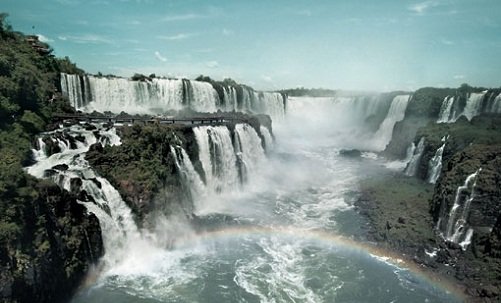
<point x="36" y="241"/>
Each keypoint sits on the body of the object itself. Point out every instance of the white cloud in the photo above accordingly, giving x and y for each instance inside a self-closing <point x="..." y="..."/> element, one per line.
<point x="447" y="42"/>
<point x="266" y="78"/>
<point x="305" y="12"/>
<point x="180" y="36"/>
<point x="205" y="50"/>
<point x="227" y="32"/>
<point x="182" y="17"/>
<point x="44" y="39"/>
<point x="86" y="39"/>
<point x="67" y="2"/>
<point x="422" y="7"/>
<point x="459" y="77"/>
<point x="212" y="64"/>
<point x="160" y="57"/>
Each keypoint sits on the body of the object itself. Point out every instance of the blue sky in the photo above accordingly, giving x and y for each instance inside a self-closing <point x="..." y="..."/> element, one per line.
<point x="358" y="45"/>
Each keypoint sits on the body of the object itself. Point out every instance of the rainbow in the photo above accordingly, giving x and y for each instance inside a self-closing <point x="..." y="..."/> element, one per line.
<point x="328" y="239"/>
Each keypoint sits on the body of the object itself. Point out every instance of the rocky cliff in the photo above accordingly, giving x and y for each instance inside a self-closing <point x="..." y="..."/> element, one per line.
<point x="459" y="234"/>
<point x="143" y="168"/>
<point x="51" y="244"/>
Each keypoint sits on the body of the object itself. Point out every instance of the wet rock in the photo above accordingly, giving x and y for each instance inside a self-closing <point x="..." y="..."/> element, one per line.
<point x="351" y="153"/>
<point x="75" y="185"/>
<point x="60" y="167"/>
<point x="89" y="127"/>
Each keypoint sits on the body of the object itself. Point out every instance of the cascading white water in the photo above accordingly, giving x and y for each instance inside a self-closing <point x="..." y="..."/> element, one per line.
<point x="88" y="93"/>
<point x="344" y="119"/>
<point x="230" y="98"/>
<point x="217" y="157"/>
<point x="456" y="229"/>
<point x="119" y="230"/>
<point x="271" y="104"/>
<point x="435" y="165"/>
<point x="246" y="99"/>
<point x="446" y="110"/>
<point x="203" y="97"/>
<point x="412" y="167"/>
<point x="496" y="105"/>
<point x="410" y="152"/>
<point x="268" y="139"/>
<point x="72" y="89"/>
<point x="188" y="173"/>
<point x="116" y="94"/>
<point x="473" y="105"/>
<point x="396" y="113"/>
<point x="249" y="149"/>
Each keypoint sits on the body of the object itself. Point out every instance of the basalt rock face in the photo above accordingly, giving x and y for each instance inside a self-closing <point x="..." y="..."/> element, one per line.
<point x="478" y="265"/>
<point x="485" y="207"/>
<point x="56" y="244"/>
<point x="470" y="147"/>
<point x="481" y="130"/>
<point x="442" y="105"/>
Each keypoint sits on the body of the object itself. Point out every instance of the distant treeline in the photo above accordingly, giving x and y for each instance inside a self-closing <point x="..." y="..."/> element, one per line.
<point x="312" y="92"/>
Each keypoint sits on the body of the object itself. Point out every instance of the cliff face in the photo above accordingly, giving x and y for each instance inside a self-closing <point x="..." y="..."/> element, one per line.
<point x="428" y="105"/>
<point x="465" y="205"/>
<point x="52" y="244"/>
<point x="143" y="168"/>
<point x="423" y="108"/>
<point x="485" y="208"/>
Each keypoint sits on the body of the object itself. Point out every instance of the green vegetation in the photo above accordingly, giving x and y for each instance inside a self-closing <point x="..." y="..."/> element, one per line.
<point x="42" y="246"/>
<point x="27" y="99"/>
<point x="142" y="166"/>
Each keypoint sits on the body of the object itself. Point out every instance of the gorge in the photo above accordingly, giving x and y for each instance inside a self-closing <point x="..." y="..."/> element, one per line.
<point x="249" y="196"/>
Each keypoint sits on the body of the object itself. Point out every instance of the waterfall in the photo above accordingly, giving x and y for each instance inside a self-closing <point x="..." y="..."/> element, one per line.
<point x="473" y="105"/>
<point x="72" y="89"/>
<point x="271" y="104"/>
<point x="230" y="98"/>
<point x="396" y="113"/>
<point x="218" y="159"/>
<point x="456" y="229"/>
<point x="496" y="105"/>
<point x="249" y="149"/>
<point x="412" y="167"/>
<point x="188" y="174"/>
<point x="446" y="110"/>
<point x="410" y="152"/>
<point x="89" y="93"/>
<point x="71" y="171"/>
<point x="268" y="139"/>
<point x="202" y="96"/>
<point x="435" y="165"/>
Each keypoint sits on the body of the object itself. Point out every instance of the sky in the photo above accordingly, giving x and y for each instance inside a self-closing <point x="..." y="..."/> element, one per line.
<point x="354" y="44"/>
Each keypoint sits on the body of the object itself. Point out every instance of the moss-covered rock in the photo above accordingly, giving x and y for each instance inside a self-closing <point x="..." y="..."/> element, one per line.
<point x="47" y="244"/>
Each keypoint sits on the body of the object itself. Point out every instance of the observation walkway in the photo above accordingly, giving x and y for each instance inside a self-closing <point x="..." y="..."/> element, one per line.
<point x="198" y="120"/>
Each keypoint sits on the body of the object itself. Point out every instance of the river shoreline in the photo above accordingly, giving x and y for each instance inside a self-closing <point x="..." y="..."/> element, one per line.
<point x="397" y="211"/>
